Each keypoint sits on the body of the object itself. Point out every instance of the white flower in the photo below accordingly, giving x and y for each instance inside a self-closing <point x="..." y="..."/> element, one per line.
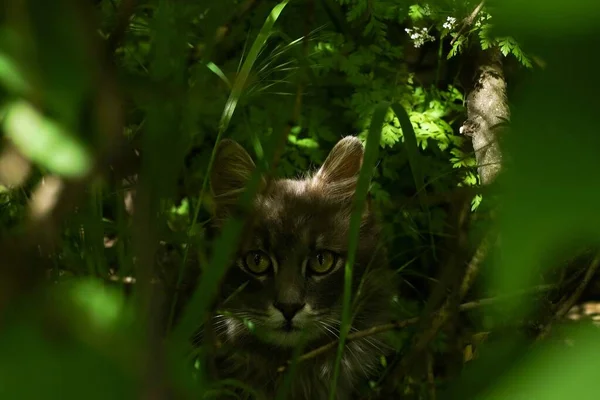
<point x="419" y="36"/>
<point x="450" y="23"/>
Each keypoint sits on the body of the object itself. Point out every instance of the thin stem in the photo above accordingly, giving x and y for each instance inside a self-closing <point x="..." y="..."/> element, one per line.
<point x="374" y="330"/>
<point x="570" y="301"/>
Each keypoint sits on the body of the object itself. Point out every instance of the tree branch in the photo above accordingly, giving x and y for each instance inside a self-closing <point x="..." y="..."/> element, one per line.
<point x="564" y="306"/>
<point x="469" y="20"/>
<point x="488" y="114"/>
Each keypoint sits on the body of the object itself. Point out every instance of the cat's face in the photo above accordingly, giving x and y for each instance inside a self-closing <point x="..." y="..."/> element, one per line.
<point x="288" y="274"/>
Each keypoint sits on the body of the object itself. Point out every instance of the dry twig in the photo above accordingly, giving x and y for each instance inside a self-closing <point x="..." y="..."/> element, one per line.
<point x="469" y="20"/>
<point x="411" y="321"/>
<point x="568" y="303"/>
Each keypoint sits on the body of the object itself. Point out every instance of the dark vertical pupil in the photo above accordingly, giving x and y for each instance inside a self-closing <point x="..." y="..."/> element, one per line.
<point x="257" y="258"/>
<point x="320" y="258"/>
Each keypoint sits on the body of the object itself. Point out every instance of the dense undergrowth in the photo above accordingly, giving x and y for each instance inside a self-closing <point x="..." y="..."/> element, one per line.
<point x="110" y="112"/>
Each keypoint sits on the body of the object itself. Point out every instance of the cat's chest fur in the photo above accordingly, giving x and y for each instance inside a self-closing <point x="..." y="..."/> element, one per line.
<point x="309" y="379"/>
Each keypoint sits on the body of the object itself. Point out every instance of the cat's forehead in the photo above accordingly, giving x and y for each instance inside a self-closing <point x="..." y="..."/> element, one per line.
<point x="298" y="212"/>
<point x="289" y="188"/>
<point x="295" y="197"/>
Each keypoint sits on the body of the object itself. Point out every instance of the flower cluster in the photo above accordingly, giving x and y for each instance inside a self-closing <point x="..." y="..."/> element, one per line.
<point x="419" y="36"/>
<point x="450" y="23"/>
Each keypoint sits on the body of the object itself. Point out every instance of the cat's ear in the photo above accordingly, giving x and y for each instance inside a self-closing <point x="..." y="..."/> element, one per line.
<point x="343" y="162"/>
<point x="231" y="172"/>
<point x="339" y="172"/>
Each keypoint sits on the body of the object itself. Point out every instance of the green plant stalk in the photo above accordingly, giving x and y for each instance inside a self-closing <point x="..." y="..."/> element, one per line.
<point x="217" y="71"/>
<point x="414" y="159"/>
<point x="360" y="197"/>
<point x="228" y="111"/>
<point x="370" y="159"/>
<point x="412" y="150"/>
<point x="438" y="70"/>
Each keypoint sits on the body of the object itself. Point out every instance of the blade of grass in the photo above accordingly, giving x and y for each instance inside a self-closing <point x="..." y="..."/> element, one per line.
<point x="242" y="77"/>
<point x="217" y="71"/>
<point x="360" y="197"/>
<point x="196" y="311"/>
<point x="414" y="160"/>
<point x="214" y="272"/>
<point x="238" y="86"/>
<point x="412" y="148"/>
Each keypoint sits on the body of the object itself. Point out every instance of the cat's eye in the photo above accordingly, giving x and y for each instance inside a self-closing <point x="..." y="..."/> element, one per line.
<point x="257" y="262"/>
<point x="322" y="262"/>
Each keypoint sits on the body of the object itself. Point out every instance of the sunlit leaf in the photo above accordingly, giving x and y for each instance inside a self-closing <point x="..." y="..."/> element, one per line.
<point x="46" y="142"/>
<point x="307" y="143"/>
<point x="217" y="71"/>
<point x="103" y="306"/>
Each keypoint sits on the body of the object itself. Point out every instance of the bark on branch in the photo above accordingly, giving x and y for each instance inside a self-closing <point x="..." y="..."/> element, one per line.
<point x="487" y="114"/>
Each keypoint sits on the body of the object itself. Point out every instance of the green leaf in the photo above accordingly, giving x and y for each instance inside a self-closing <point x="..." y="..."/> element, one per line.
<point x="518" y="53"/>
<point x="217" y="71"/>
<point x="307" y="143"/>
<point x="525" y="61"/>
<point x="505" y="46"/>
<point x="46" y="142"/>
<point x="456" y="46"/>
<point x="484" y="37"/>
<point x="417" y="12"/>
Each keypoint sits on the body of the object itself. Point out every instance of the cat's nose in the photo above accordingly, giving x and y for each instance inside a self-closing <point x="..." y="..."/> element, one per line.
<point x="289" y="310"/>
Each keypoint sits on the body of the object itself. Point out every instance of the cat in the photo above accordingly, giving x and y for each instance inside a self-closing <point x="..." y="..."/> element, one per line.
<point x="286" y="281"/>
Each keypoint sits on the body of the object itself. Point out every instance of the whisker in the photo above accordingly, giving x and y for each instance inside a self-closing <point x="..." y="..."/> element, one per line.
<point x="329" y="329"/>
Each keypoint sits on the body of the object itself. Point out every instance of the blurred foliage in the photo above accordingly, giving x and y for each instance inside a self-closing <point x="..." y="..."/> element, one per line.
<point x="109" y="113"/>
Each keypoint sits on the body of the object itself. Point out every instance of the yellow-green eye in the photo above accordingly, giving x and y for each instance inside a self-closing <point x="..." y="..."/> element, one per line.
<point x="257" y="262"/>
<point x="322" y="262"/>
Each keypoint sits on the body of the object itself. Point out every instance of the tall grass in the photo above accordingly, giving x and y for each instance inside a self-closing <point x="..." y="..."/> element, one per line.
<point x="62" y="132"/>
